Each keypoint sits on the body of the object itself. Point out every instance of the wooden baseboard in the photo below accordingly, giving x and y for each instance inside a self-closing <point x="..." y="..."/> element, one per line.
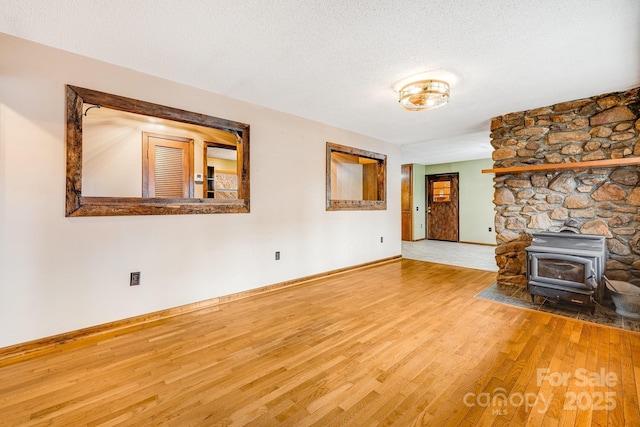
<point x="478" y="243"/>
<point x="459" y="241"/>
<point x="18" y="352"/>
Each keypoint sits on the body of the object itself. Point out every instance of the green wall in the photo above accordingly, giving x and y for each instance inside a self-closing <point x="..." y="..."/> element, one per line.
<point x="476" y="198"/>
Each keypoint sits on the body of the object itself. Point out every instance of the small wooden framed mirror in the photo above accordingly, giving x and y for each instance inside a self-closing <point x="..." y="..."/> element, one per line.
<point x="356" y="179"/>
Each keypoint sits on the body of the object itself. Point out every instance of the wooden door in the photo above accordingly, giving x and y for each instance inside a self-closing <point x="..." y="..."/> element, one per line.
<point x="442" y="207"/>
<point x="167" y="166"/>
<point x="407" y="201"/>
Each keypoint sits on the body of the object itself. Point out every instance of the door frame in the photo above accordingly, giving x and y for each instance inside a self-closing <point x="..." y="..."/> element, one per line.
<point x="432" y="177"/>
<point x="406" y="195"/>
<point x="149" y="161"/>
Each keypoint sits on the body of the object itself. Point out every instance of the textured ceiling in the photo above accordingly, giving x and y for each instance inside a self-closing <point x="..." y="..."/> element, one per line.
<point x="336" y="61"/>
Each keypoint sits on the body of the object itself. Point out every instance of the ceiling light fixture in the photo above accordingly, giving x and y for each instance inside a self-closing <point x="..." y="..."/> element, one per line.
<point x="424" y="95"/>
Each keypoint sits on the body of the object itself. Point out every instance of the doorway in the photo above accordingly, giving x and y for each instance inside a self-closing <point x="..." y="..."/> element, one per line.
<point x="406" y="192"/>
<point x="442" y="207"/>
<point x="220" y="166"/>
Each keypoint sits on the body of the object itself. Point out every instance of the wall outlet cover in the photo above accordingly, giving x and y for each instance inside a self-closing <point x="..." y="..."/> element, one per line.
<point x="134" y="279"/>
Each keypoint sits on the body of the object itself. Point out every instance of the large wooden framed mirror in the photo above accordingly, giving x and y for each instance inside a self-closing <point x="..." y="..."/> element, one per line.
<point x="131" y="157"/>
<point x="356" y="179"/>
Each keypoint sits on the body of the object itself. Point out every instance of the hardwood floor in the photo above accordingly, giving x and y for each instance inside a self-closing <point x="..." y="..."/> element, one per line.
<point x="402" y="343"/>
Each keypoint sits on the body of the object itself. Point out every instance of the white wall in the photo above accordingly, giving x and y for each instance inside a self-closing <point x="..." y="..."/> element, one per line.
<point x="418" y="208"/>
<point x="346" y="181"/>
<point x="476" y="198"/>
<point x="112" y="155"/>
<point x="59" y="274"/>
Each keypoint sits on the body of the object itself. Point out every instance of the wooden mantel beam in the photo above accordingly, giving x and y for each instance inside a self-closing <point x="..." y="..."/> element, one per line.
<point x="608" y="163"/>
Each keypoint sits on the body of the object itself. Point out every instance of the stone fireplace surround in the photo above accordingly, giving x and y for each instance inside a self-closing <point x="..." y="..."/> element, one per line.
<point x="603" y="200"/>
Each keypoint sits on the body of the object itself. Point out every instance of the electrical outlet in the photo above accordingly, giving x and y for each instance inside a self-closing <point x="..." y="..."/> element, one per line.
<point x="490" y="228"/>
<point x="381" y="239"/>
<point x="134" y="279"/>
<point x="277" y="255"/>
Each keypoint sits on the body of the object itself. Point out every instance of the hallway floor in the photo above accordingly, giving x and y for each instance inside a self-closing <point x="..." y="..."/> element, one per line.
<point x="468" y="255"/>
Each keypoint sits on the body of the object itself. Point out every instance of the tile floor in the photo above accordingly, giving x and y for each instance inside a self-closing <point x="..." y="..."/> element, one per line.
<point x="481" y="257"/>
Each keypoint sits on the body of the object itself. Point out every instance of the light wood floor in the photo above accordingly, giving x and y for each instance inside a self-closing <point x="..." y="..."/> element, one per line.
<point x="403" y="343"/>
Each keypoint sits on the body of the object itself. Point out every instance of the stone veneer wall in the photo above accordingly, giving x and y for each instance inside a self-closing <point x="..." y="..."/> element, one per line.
<point x="603" y="201"/>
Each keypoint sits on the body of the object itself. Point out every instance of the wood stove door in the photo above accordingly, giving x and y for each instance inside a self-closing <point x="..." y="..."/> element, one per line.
<point x="562" y="270"/>
<point x="442" y="207"/>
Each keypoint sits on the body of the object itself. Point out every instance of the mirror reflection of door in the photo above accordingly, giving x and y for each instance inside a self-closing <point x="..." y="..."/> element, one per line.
<point x="442" y="207"/>
<point x="167" y="166"/>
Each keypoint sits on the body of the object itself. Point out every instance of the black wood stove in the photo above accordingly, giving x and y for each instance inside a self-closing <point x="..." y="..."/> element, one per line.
<point x="567" y="266"/>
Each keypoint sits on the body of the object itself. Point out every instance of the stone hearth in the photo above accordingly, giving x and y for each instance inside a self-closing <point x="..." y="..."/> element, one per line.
<point x="602" y="201"/>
